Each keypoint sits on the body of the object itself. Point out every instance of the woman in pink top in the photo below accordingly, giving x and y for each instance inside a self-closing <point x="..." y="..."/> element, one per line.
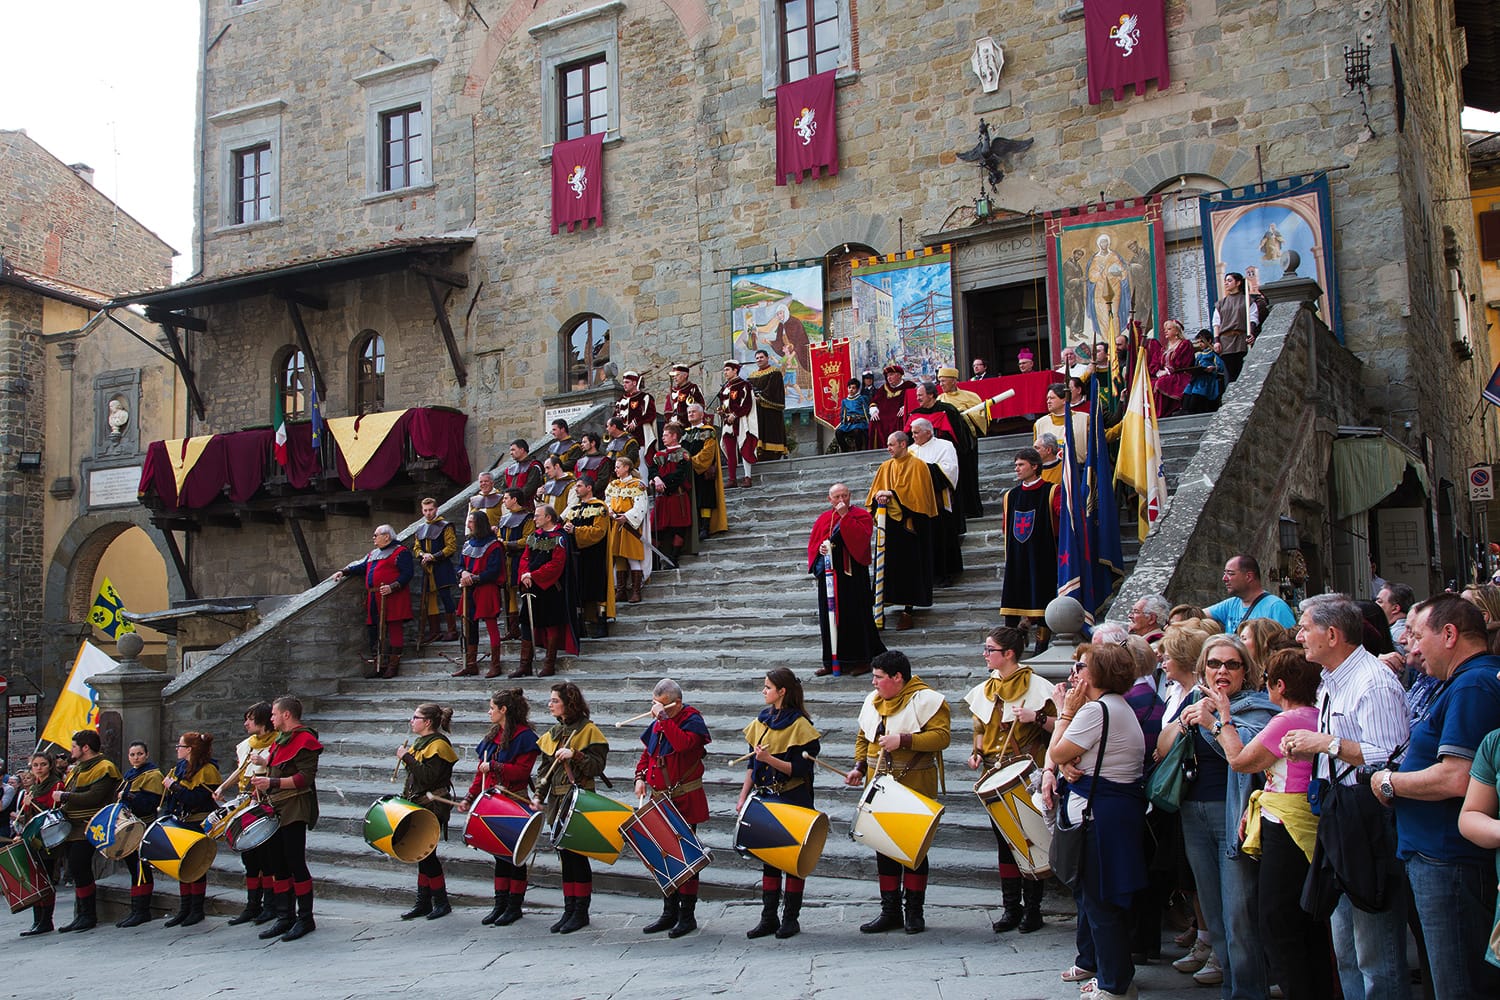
<point x="1279" y="827"/>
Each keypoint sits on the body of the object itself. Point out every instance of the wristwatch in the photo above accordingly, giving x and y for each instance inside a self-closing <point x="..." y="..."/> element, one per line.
<point x="1333" y="747"/>
<point x="1386" y="788"/>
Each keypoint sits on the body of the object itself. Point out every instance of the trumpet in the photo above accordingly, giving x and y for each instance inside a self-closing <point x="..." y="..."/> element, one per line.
<point x="982" y="407"/>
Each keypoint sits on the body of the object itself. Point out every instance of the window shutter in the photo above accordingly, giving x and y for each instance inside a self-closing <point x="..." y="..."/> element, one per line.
<point x="1489" y="235"/>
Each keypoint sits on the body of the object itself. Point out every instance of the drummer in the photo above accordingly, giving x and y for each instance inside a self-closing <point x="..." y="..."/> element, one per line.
<point x="777" y="769"/>
<point x="579" y="751"/>
<point x="903" y="730"/>
<point x="189" y="796"/>
<point x="141" y="792"/>
<point x="38" y="796"/>
<point x="506" y="756"/>
<point x="251" y="755"/>
<point x="429" y="772"/>
<point x="292" y="786"/>
<point x="91" y="780"/>
<point x="1020" y="728"/>
<point x="671" y="766"/>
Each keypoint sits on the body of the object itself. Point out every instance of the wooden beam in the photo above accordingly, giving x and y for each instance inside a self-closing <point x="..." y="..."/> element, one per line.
<point x="455" y="278"/>
<point x="308" y="565"/>
<point x="459" y="370"/>
<point x="180" y="360"/>
<point x="306" y="345"/>
<point x="182" y="321"/>
<point x="188" y="590"/>
<point x="302" y="298"/>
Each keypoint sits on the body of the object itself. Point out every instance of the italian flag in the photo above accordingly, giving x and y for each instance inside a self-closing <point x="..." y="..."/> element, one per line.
<point x="278" y="424"/>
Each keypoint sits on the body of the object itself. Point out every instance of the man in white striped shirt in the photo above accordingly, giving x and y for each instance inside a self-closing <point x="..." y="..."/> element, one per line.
<point x="1363" y="719"/>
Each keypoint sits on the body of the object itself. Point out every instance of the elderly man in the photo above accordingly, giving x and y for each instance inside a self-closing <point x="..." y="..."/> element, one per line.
<point x="387" y="571"/>
<point x="1025" y="361"/>
<point x="487" y="498"/>
<point x="671" y="766"/>
<point x="1051" y="454"/>
<point x="1396" y="599"/>
<point x="638" y="409"/>
<point x="1365" y="719"/>
<point x="839" y="549"/>
<point x="943" y="465"/>
<point x="949" y="424"/>
<point x="1452" y="880"/>
<point x="1148" y="617"/>
<point x="906" y="510"/>
<point x="1247" y="598"/>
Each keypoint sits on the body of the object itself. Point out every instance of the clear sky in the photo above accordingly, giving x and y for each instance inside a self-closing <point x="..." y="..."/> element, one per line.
<point x="112" y="85"/>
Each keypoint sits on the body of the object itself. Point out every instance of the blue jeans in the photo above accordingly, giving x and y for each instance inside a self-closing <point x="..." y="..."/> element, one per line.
<point x="1371" y="950"/>
<point x="1227" y="893"/>
<point x="1456" y="904"/>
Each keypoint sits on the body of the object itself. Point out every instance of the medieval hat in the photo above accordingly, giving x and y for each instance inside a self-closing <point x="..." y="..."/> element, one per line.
<point x="947" y="373"/>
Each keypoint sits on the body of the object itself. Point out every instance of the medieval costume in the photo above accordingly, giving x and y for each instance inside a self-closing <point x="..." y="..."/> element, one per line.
<point x="888" y="405"/>
<point x="1032" y="512"/>
<point x="482" y="586"/>
<point x="142" y="794"/>
<point x="787" y="735"/>
<point x="512" y="529"/>
<point x="770" y="408"/>
<point x="521" y="474"/>
<point x="294" y="793"/>
<point x="596" y="592"/>
<point x="389" y="566"/>
<point x="510" y="759"/>
<point x="558" y="493"/>
<point x="547" y="612"/>
<point x="907" y="538"/>
<point x="638" y="409"/>
<point x="565" y="450"/>
<point x="89" y="787"/>
<point x="439" y="539"/>
<point x="702" y="443"/>
<point x="950" y="425"/>
<point x="850" y="615"/>
<point x="189" y="798"/>
<point x="947" y="539"/>
<point x="681" y="394"/>
<point x="429" y="771"/>
<point x="629" y="531"/>
<point x="671" y="766"/>
<point x="590" y="754"/>
<point x="672" y="510"/>
<point x="740" y="430"/>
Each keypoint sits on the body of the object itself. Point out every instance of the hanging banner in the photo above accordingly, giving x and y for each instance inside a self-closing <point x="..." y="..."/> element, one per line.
<point x="1269" y="231"/>
<point x="807" y="138"/>
<point x="578" y="182"/>
<point x="1126" y="43"/>
<point x="779" y="310"/>
<point x="1106" y="267"/>
<point x="903" y="312"/>
<point x="832" y="371"/>
<point x="78" y="704"/>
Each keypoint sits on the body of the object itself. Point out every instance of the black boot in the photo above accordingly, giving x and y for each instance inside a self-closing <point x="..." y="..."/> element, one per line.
<point x="915" y="922"/>
<point x="789" y="914"/>
<point x="281" y="907"/>
<point x="769" y="900"/>
<point x="423" y="907"/>
<point x="512" y="910"/>
<point x="184" y="907"/>
<point x="580" y="917"/>
<point x="253" y="905"/>
<point x="668" y="919"/>
<point x="890" y="914"/>
<point x="687" y="921"/>
<point x="268" y="911"/>
<point x="195" y="909"/>
<point x="83" y="915"/>
<point x="502" y="900"/>
<point x="303" y="925"/>
<point x="1010" y="919"/>
<point x="140" y="912"/>
<point x="1031" y="919"/>
<point x="570" y="903"/>
<point x="440" y="906"/>
<point x="41" y="918"/>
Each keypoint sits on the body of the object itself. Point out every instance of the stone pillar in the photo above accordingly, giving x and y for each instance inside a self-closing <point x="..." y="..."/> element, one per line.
<point x="1064" y="616"/>
<point x="133" y="692"/>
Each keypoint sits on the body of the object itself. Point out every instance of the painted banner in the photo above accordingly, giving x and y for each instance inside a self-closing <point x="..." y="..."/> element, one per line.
<point x="1126" y="43"/>
<point x="832" y="371"/>
<point x="578" y="182"/>
<point x="779" y="310"/>
<point x="903" y="312"/>
<point x="1280" y="229"/>
<point x="807" y="138"/>
<point x="78" y="704"/>
<point x="1106" y="267"/>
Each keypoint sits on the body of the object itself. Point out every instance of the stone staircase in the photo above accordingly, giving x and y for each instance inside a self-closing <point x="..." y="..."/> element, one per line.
<point x="715" y="625"/>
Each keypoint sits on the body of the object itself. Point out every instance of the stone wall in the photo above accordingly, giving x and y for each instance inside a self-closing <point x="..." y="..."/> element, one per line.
<point x="22" y="396"/>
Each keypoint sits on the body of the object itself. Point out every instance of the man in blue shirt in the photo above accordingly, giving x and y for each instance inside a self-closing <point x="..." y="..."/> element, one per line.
<point x="1451" y="880"/>
<point x="1247" y="598"/>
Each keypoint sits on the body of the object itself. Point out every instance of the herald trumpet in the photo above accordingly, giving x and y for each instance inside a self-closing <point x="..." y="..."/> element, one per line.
<point x="982" y="407"/>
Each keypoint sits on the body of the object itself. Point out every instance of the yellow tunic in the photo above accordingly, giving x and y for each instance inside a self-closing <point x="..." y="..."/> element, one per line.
<point x="919" y="711"/>
<point x="910" y="482"/>
<point x="963" y="400"/>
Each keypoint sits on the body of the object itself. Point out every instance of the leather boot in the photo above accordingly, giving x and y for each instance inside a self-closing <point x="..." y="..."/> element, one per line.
<point x="579" y="918"/>
<point x="916" y="923"/>
<point x="789" y="914"/>
<point x="282" y="905"/>
<point x="41" y="918"/>
<point x="770" y="899"/>
<point x="184" y="907"/>
<point x="83" y="915"/>
<point x="471" y="664"/>
<point x="512" y="626"/>
<point x="432" y="630"/>
<point x="600" y="629"/>
<point x="392" y="664"/>
<point x="440" y="905"/>
<point x="304" y="924"/>
<point x="687" y="920"/>
<point x="523" y="669"/>
<point x="268" y="911"/>
<point x="668" y="918"/>
<point x="570" y="903"/>
<point x="512" y="910"/>
<point x="494" y="668"/>
<point x="252" y="908"/>
<point x="890" y="914"/>
<point x="450" y="631"/>
<point x="549" y="665"/>
<point x="423" y="907"/>
<point x="502" y="900"/>
<point x="621" y="576"/>
<point x="1031" y="918"/>
<point x="195" y="908"/>
<point x="372" y="666"/>
<point x="1010" y="919"/>
<point x="635" y="587"/>
<point x="140" y="912"/>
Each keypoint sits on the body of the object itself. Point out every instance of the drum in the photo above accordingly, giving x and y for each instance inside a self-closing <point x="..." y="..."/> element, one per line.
<point x="1005" y="794"/>
<point x="785" y="836"/>
<point x="401" y="828"/>
<point x="114" y="831"/>
<point x="47" y="831"/>
<point x="666" y="843"/>
<point x="896" y="821"/>
<point x="218" y="820"/>
<point x="24" y="878"/>
<point x="589" y="824"/>
<point x="251" y="825"/>
<point x="178" y="850"/>
<point x="501" y="826"/>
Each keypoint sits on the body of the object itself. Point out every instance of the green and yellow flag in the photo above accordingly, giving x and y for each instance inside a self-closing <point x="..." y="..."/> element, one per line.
<point x="105" y="614"/>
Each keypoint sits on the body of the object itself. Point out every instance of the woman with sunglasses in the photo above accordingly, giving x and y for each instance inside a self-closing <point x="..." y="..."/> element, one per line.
<point x="189" y="796"/>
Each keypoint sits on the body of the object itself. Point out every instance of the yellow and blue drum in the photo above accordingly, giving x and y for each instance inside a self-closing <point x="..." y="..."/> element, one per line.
<point x="785" y="836"/>
<point x="401" y="828"/>
<point x="177" y="850"/>
<point x="114" y="831"/>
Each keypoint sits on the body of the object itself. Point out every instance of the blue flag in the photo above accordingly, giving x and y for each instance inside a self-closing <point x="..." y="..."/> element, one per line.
<point x="1103" y="519"/>
<point x="1073" y="576"/>
<point x="317" y="418"/>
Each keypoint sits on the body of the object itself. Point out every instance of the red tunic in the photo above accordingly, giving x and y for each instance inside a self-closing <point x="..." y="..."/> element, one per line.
<point x="487" y="565"/>
<point x="889" y="401"/>
<point x="674" y="508"/>
<point x="856" y="527"/>
<point x="673" y="757"/>
<point x="395" y="569"/>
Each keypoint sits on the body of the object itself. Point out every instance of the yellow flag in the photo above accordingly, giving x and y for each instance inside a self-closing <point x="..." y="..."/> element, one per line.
<point x="77" y="705"/>
<point x="105" y="613"/>
<point x="1139" y="465"/>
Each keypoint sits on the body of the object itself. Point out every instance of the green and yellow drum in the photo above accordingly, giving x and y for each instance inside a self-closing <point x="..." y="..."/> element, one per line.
<point x="589" y="824"/>
<point x="401" y="828"/>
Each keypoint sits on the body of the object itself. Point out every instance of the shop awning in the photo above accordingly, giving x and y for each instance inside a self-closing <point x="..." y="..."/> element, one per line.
<point x="1366" y="470"/>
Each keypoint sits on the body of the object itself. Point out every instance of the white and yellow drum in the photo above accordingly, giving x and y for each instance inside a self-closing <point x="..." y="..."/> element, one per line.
<point x="896" y="821"/>
<point x="1005" y="793"/>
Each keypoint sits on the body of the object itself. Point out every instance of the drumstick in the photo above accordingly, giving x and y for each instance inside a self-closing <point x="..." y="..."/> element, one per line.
<point x="397" y="769"/>
<point x="433" y="797"/>
<point x="743" y="757"/>
<point x="542" y="781"/>
<point x="819" y="762"/>
<point x="633" y="718"/>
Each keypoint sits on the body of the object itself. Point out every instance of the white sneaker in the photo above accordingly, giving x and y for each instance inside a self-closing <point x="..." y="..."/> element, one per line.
<point x="1091" y="991"/>
<point x="1211" y="974"/>
<point x="1196" y="958"/>
<point x="1275" y="993"/>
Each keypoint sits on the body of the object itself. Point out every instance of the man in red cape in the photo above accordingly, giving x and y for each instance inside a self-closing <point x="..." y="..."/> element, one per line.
<point x="841" y="537"/>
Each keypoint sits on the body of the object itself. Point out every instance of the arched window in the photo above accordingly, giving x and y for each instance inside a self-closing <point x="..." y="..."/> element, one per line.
<point x="291" y="382"/>
<point x="369" y="373"/>
<point x="586" y="347"/>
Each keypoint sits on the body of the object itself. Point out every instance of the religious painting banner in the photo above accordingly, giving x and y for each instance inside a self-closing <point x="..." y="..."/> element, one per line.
<point x="1266" y="232"/>
<point x="578" y="182"/>
<point x="779" y="310"/>
<point x="1126" y="43"/>
<point x="1106" y="267"/>
<point x="832" y="371"/>
<point x="903" y="311"/>
<point x="806" y="128"/>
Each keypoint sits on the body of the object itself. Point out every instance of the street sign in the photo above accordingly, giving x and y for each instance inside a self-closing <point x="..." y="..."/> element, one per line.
<point x="1481" y="483"/>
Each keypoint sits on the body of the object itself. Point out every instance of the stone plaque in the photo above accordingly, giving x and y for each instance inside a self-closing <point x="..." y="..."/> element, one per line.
<point x="114" y="487"/>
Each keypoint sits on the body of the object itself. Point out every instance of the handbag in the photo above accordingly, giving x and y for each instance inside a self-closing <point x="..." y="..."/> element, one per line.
<point x="1355" y="853"/>
<point x="1068" y="842"/>
<point x="1169" y="780"/>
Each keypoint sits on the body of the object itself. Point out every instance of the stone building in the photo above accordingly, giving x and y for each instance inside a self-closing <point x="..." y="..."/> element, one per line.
<point x="375" y="187"/>
<point x="82" y="393"/>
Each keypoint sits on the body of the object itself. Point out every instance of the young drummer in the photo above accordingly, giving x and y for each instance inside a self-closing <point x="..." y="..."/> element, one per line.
<point x="506" y="757"/>
<point x="37" y="797"/>
<point x="671" y="766"/>
<point x="250" y="760"/>
<point x="579" y="751"/>
<point x="190" y="797"/>
<point x="141" y="791"/>
<point x="429" y="771"/>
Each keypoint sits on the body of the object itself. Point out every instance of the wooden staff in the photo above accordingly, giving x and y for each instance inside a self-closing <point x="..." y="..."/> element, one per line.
<point x="819" y="762"/>
<point x="380" y="641"/>
<point x="633" y="718"/>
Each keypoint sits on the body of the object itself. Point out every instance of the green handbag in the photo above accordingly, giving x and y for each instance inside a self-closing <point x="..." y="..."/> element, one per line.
<point x="1170" y="778"/>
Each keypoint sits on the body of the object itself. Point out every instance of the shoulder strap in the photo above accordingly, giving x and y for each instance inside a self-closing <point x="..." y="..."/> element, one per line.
<point x="1251" y="609"/>
<point x="1088" y="810"/>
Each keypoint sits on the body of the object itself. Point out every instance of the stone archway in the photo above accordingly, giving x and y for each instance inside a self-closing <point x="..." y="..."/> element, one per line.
<point x="68" y="588"/>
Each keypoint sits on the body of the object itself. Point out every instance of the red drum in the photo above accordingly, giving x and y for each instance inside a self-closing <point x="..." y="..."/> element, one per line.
<point x="251" y="826"/>
<point x="24" y="878"/>
<point x="666" y="843"/>
<point x="501" y="826"/>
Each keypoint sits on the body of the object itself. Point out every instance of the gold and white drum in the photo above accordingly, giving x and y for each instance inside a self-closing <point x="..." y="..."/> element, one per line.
<point x="896" y="821"/>
<point x="1005" y="793"/>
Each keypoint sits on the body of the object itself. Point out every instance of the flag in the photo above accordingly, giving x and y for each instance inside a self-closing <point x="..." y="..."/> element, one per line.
<point x="1103" y="518"/>
<point x="1140" y="449"/>
<point x="832" y="370"/>
<point x="77" y="705"/>
<point x="1073" y="576"/>
<point x="1126" y="43"/>
<point x="578" y="182"/>
<point x="278" y="424"/>
<point x="317" y="419"/>
<point x="807" y="138"/>
<point x="105" y="614"/>
<point x="1492" y="387"/>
